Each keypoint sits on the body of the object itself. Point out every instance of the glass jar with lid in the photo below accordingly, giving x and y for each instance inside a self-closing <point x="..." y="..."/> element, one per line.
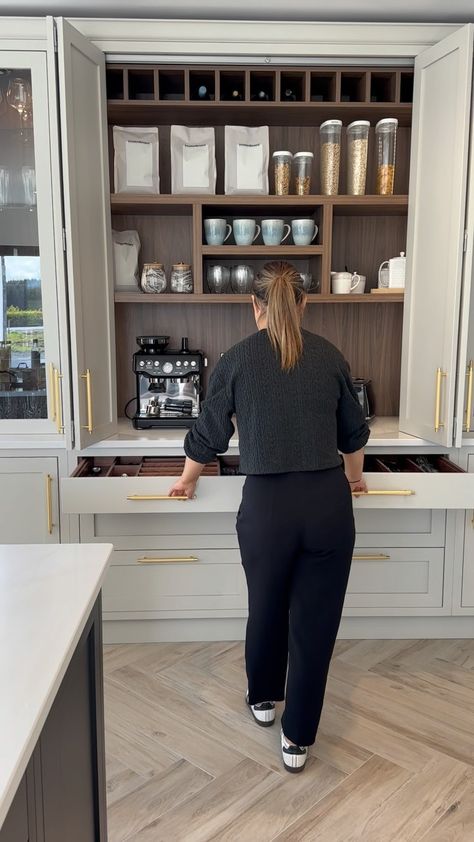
<point x="386" y="145"/>
<point x="153" y="278"/>
<point x="303" y="164"/>
<point x="357" y="147"/>
<point x="330" y="156"/>
<point x="181" y="279"/>
<point x="282" y="170"/>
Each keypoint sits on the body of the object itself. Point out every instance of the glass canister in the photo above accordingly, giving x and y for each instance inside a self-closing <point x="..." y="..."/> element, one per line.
<point x="282" y="169"/>
<point x="303" y="162"/>
<point x="357" y="147"/>
<point x="153" y="278"/>
<point x="386" y="144"/>
<point x="330" y="156"/>
<point x="181" y="278"/>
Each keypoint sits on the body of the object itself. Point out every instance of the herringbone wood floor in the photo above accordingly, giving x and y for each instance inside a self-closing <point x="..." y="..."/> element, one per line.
<point x="393" y="760"/>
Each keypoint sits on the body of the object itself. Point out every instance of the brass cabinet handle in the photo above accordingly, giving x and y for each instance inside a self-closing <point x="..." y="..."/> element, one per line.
<point x="470" y="379"/>
<point x="154" y="497"/>
<point x="87" y="378"/>
<point x="397" y="492"/>
<point x="373" y="557"/>
<point x="171" y="559"/>
<point x="52" y="389"/>
<point x="49" y="503"/>
<point x="437" y="420"/>
<point x="58" y="402"/>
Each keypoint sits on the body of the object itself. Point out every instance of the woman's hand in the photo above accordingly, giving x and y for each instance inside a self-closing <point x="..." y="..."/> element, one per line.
<point x="183" y="489"/>
<point x="358" y="486"/>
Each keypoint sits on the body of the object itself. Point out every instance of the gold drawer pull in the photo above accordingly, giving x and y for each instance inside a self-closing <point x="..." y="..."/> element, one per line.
<point x="470" y="379"/>
<point x="58" y="413"/>
<point x="52" y="390"/>
<point x="437" y="421"/>
<point x="151" y="560"/>
<point x="154" y="497"/>
<point x="397" y="492"/>
<point x="49" y="504"/>
<point x="373" y="557"/>
<point x="87" y="377"/>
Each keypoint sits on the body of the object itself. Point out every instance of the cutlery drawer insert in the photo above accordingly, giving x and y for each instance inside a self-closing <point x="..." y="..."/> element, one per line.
<point x="125" y="485"/>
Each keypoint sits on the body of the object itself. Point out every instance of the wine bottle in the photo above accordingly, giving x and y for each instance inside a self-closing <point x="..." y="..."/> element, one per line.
<point x="261" y="96"/>
<point x="289" y="95"/>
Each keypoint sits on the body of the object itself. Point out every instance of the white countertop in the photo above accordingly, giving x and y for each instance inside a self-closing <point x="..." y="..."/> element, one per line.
<point x="384" y="433"/>
<point x="46" y="595"/>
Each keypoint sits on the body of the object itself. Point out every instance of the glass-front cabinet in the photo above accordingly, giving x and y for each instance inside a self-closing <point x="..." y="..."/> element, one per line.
<point x="30" y="370"/>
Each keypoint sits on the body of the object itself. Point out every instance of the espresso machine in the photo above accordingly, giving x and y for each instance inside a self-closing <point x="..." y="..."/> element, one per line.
<point x="169" y="383"/>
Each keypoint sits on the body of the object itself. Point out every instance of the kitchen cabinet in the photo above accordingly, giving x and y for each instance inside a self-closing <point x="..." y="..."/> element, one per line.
<point x="29" y="500"/>
<point x="87" y="221"/>
<point x="52" y="778"/>
<point x="34" y="390"/>
<point x="438" y="187"/>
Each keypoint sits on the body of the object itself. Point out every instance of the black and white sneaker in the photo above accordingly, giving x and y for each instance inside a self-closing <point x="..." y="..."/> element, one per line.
<point x="263" y="712"/>
<point x="294" y="757"/>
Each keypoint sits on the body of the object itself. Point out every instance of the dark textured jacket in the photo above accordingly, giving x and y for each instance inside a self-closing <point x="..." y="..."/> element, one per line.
<point x="293" y="420"/>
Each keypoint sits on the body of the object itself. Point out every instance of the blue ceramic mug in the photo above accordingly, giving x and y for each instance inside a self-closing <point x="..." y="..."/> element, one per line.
<point x="217" y="231"/>
<point x="246" y="231"/>
<point x="304" y="231"/>
<point x="272" y="231"/>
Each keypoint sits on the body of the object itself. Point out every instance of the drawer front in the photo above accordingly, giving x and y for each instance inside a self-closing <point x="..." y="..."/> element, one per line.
<point x="177" y="581"/>
<point x="417" y="491"/>
<point x="396" y="578"/>
<point x="400" y="528"/>
<point x="165" y="531"/>
<point x="142" y="495"/>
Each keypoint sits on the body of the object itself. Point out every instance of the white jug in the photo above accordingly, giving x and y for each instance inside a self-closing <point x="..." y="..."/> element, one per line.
<point x="392" y="272"/>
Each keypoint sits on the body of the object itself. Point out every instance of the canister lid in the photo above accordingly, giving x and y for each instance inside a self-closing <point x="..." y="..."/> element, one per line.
<point x="181" y="266"/>
<point x="288" y="154"/>
<point x="305" y="154"/>
<point x="387" y="123"/>
<point x="330" y="123"/>
<point x="358" y="123"/>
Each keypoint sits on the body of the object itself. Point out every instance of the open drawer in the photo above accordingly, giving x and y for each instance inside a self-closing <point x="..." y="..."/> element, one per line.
<point x="124" y="485"/>
<point x="415" y="482"/>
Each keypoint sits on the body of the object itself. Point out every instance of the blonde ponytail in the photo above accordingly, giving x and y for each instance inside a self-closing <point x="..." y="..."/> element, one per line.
<point x="279" y="291"/>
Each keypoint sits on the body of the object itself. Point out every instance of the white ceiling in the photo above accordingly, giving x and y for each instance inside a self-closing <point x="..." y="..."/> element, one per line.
<point x="427" y="11"/>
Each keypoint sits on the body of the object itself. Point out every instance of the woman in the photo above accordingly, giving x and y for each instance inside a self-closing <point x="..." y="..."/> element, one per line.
<point x="294" y="401"/>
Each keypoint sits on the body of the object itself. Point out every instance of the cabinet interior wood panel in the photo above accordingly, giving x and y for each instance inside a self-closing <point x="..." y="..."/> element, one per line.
<point x="371" y="341"/>
<point x="163" y="239"/>
<point x="362" y="242"/>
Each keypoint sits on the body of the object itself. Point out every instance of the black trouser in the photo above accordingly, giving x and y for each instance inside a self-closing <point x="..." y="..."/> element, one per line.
<point x="296" y="535"/>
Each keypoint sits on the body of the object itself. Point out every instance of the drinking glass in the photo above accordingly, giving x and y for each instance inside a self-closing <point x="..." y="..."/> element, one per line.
<point x="19" y="97"/>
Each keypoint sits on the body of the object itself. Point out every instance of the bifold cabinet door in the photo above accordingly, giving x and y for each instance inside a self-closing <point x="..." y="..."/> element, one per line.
<point x="29" y="500"/>
<point x="83" y="117"/>
<point x="435" y="239"/>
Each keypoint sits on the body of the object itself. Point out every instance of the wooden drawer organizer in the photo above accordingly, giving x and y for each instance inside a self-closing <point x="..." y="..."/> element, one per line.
<point x="141" y="466"/>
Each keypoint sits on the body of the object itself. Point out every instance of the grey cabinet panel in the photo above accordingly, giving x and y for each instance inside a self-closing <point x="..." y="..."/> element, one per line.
<point x="29" y="507"/>
<point x="15" y="827"/>
<point x="67" y="761"/>
<point x="61" y="797"/>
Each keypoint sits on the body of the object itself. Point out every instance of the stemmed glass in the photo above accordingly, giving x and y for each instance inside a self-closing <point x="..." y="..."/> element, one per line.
<point x="19" y="97"/>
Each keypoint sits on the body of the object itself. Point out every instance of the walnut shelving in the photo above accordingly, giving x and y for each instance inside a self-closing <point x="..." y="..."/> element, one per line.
<point x="354" y="231"/>
<point x="137" y="92"/>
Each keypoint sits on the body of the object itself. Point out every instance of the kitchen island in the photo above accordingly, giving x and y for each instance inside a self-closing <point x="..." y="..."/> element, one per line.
<point x="52" y="781"/>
